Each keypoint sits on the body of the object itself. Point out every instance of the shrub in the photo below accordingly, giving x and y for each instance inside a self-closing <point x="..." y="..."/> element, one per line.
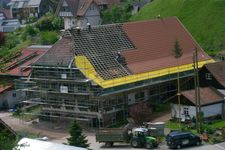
<point x="11" y="41"/>
<point x="209" y="129"/>
<point x="48" y="37"/>
<point x="29" y="31"/>
<point x="49" y="22"/>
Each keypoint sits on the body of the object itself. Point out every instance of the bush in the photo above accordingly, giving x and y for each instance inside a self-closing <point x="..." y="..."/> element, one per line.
<point x="209" y="129"/>
<point x="11" y="41"/>
<point x="48" y="37"/>
<point x="29" y="31"/>
<point x="49" y="23"/>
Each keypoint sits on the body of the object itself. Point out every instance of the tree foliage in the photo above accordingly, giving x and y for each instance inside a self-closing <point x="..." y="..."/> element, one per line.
<point x="7" y="141"/>
<point x="140" y="113"/>
<point x="48" y="37"/>
<point x="177" y="51"/>
<point x="117" y="14"/>
<point x="76" y="136"/>
<point x="49" y="22"/>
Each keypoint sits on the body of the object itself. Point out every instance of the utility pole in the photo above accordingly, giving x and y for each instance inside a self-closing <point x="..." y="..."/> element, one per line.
<point x="197" y="92"/>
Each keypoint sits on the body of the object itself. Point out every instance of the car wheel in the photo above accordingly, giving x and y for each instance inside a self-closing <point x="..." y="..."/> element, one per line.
<point x="134" y="143"/>
<point x="108" y="144"/>
<point x="149" y="145"/>
<point x="198" y="143"/>
<point x="178" y="147"/>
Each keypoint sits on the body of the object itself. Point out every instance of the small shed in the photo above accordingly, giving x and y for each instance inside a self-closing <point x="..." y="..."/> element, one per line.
<point x="211" y="100"/>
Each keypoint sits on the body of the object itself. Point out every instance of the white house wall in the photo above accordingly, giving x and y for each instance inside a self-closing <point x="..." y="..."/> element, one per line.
<point x="210" y="110"/>
<point x="175" y="111"/>
<point x="93" y="15"/>
<point x="11" y="98"/>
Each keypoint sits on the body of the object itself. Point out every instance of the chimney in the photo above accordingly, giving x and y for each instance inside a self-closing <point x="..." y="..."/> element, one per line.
<point x="89" y="26"/>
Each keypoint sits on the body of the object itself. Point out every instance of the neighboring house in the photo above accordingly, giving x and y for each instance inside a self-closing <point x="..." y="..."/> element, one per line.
<point x="23" y="9"/>
<point x="95" y="74"/>
<point x="9" y="25"/>
<point x="34" y="144"/>
<point x="212" y="104"/>
<point x="17" y="68"/>
<point x="9" y="97"/>
<point x="213" y="74"/>
<point x="77" y="13"/>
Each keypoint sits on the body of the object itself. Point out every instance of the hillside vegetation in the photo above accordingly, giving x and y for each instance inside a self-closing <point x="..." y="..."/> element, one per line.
<point x="205" y="19"/>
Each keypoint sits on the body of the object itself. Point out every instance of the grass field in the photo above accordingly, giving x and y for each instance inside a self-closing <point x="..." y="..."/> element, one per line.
<point x="205" y="19"/>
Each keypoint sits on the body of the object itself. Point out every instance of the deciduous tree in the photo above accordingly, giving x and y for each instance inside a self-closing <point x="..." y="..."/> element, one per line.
<point x="140" y="113"/>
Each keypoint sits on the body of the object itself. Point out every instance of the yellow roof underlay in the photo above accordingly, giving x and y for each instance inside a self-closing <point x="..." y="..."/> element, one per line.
<point x="88" y="70"/>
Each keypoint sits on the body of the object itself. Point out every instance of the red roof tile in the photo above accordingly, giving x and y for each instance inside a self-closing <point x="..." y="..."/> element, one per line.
<point x="154" y="41"/>
<point x="207" y="95"/>
<point x="218" y="71"/>
<point x="14" y="69"/>
<point x="5" y="88"/>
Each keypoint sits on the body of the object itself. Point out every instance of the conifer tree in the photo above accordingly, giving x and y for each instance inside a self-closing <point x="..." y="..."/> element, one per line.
<point x="76" y="136"/>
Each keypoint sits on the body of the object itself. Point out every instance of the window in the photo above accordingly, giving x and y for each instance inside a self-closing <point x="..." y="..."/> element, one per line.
<point x="63" y="89"/>
<point x="208" y="76"/>
<point x="63" y="76"/>
<point x="186" y="111"/>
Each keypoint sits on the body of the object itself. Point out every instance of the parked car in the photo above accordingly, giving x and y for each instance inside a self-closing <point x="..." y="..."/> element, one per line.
<point x="179" y="139"/>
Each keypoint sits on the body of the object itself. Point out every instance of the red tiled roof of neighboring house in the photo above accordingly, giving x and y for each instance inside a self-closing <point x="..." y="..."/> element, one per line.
<point x="154" y="41"/>
<point x="4" y="88"/>
<point x="208" y="95"/>
<point x="28" y="56"/>
<point x="83" y="7"/>
<point x="7" y="13"/>
<point x="218" y="71"/>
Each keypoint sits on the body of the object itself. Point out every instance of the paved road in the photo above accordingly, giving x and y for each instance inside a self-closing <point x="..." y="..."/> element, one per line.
<point x="60" y="137"/>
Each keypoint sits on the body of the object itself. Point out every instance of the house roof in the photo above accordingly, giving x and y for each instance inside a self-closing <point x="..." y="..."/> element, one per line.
<point x="154" y="41"/>
<point x="24" y="3"/>
<point x="4" y="88"/>
<point x="208" y="95"/>
<point x="27" y="57"/>
<point x="10" y="22"/>
<point x="61" y="54"/>
<point x="218" y="71"/>
<point x="145" y="46"/>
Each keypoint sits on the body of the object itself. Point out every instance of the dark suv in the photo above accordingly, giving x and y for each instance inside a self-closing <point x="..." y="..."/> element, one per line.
<point x="178" y="139"/>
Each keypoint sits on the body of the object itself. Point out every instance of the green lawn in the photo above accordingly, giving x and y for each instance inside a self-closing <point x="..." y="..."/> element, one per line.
<point x="205" y="19"/>
<point x="219" y="124"/>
